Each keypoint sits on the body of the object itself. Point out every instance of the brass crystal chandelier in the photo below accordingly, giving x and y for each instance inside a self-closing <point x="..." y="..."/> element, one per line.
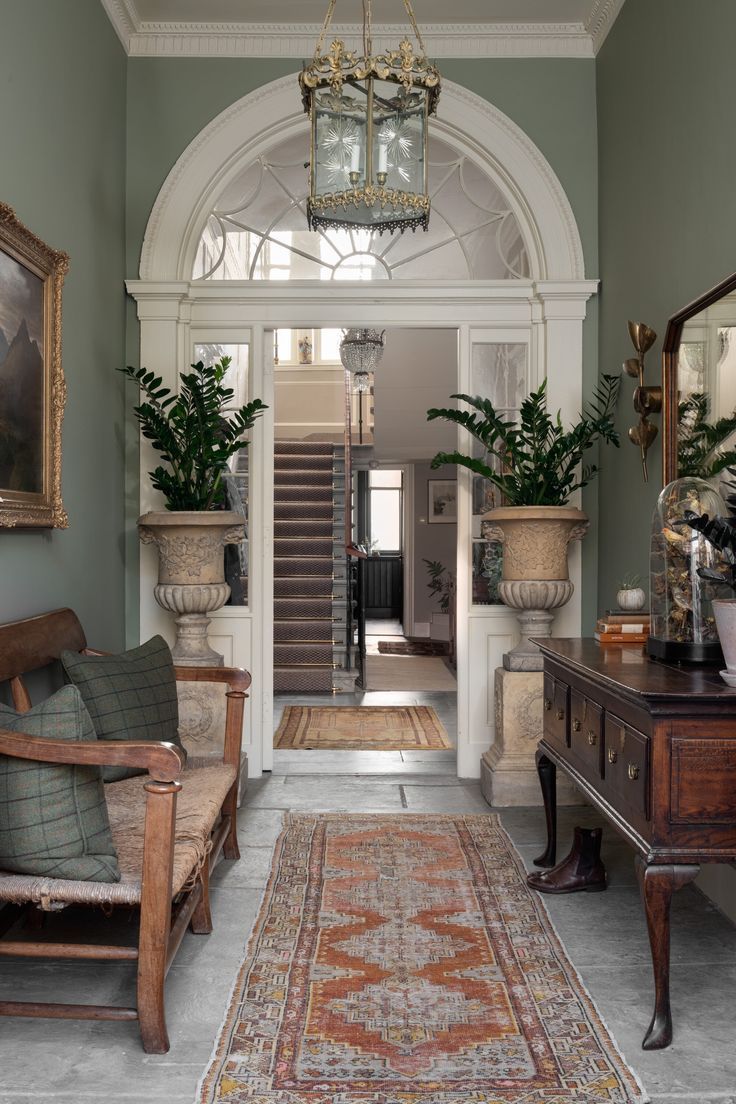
<point x="360" y="352"/>
<point x="369" y="116"/>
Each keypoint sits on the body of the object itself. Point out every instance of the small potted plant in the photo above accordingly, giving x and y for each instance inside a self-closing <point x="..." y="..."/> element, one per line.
<point x="195" y="436"/>
<point x="630" y="596"/>
<point x="536" y="465"/>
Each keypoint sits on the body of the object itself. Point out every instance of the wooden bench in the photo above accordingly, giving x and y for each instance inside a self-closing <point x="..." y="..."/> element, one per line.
<point x="169" y="828"/>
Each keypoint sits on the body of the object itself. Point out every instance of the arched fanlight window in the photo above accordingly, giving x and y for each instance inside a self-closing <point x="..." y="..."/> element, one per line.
<point x="256" y="229"/>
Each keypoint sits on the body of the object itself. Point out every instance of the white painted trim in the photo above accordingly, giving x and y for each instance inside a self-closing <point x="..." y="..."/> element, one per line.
<point x="602" y="17"/>
<point x="296" y="40"/>
<point x="273" y="112"/>
<point x="125" y="20"/>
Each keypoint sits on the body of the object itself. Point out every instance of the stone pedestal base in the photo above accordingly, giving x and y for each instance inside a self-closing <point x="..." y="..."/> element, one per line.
<point x="202" y="707"/>
<point x="508" y="773"/>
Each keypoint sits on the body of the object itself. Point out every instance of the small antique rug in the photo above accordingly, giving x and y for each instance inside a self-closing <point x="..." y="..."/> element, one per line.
<point x="364" y="728"/>
<point x="414" y="647"/>
<point x="394" y="672"/>
<point x="403" y="960"/>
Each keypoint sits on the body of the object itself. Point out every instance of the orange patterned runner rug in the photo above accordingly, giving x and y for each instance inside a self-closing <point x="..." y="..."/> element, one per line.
<point x="403" y="960"/>
<point x="365" y="728"/>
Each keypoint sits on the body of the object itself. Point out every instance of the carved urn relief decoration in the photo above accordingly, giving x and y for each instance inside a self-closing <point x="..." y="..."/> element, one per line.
<point x="191" y="573"/>
<point x="535" y="577"/>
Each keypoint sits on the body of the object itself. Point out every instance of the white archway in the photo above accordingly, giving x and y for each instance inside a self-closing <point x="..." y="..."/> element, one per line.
<point x="545" y="312"/>
<point x="468" y="122"/>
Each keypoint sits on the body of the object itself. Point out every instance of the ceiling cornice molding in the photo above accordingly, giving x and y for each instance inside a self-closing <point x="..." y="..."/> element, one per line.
<point x="601" y="19"/>
<point x="297" y="40"/>
<point x="124" y="18"/>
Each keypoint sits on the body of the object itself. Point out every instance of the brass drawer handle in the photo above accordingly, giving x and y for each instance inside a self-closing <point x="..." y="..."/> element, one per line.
<point x="576" y="725"/>
<point x="612" y="755"/>
<point x="547" y="704"/>
<point x="633" y="772"/>
<point x="592" y="738"/>
<point x="560" y="714"/>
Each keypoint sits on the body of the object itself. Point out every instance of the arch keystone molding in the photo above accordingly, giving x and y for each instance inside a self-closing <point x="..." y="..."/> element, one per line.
<point x="544" y="311"/>
<point x="273" y="112"/>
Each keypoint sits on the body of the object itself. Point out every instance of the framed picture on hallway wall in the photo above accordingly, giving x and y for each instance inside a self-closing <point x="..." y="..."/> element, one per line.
<point x="442" y="506"/>
<point x="32" y="387"/>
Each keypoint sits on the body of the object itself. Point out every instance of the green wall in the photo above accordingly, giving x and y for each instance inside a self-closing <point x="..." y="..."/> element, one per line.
<point x="667" y="199"/>
<point x="170" y="100"/>
<point x="62" y="169"/>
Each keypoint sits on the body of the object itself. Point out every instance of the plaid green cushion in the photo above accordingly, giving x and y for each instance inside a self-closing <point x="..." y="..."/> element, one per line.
<point x="131" y="696"/>
<point x="53" y="817"/>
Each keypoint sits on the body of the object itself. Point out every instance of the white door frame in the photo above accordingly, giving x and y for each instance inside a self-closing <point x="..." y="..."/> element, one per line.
<point x="547" y="315"/>
<point x="546" y="312"/>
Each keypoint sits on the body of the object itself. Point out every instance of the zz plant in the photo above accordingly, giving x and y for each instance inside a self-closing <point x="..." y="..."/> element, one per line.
<point x="535" y="461"/>
<point x="192" y="433"/>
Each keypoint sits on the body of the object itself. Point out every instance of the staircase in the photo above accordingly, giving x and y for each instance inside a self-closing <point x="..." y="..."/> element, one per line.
<point x="303" y="567"/>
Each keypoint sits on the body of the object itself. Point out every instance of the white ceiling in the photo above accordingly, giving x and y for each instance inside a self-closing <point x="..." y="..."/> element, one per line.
<point x="264" y="28"/>
<point x="350" y="11"/>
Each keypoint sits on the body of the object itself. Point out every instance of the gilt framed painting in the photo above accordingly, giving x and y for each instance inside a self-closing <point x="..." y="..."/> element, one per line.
<point x="32" y="387"/>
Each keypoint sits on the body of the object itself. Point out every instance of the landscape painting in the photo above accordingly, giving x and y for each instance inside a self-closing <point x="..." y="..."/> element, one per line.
<point x="21" y="378"/>
<point x="32" y="388"/>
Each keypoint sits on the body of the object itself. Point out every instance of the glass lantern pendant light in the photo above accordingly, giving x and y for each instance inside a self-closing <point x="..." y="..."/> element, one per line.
<point x="369" y="116"/>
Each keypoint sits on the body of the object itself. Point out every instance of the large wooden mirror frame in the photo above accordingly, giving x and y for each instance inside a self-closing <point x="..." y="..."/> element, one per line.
<point x="671" y="387"/>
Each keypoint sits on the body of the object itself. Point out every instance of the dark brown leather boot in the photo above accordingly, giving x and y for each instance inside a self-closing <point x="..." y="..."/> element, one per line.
<point x="582" y="869"/>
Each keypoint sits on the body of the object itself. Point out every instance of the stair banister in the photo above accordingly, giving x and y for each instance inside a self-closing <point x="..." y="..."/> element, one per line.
<point x="354" y="556"/>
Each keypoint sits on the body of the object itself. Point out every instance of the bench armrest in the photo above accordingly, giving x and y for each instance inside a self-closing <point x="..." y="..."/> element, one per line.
<point x="237" y="678"/>
<point x="163" y="762"/>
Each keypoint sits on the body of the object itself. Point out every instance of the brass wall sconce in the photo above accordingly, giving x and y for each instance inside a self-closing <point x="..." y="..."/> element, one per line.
<point x="647" y="400"/>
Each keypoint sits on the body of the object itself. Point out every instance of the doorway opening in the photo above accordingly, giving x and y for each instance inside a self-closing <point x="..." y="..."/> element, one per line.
<point x="357" y="630"/>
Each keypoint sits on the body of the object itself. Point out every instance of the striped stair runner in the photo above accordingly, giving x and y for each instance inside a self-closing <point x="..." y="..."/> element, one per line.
<point x="303" y="567"/>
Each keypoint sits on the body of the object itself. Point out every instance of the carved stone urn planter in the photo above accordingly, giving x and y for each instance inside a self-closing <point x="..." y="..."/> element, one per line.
<point x="535" y="577"/>
<point x="191" y="573"/>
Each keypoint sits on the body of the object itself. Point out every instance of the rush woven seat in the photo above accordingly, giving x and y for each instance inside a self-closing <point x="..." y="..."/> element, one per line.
<point x="203" y="791"/>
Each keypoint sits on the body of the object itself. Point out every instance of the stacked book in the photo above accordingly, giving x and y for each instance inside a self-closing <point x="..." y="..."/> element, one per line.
<point x="619" y="627"/>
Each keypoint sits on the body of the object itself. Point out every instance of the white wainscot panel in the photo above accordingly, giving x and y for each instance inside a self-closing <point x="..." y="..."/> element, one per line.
<point x="231" y="634"/>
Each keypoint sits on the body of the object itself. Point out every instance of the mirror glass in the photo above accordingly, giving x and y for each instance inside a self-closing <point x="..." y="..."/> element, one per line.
<point x="700" y="388"/>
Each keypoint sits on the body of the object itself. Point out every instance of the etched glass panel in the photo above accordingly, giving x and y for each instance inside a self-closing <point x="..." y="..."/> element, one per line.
<point x="257" y="229"/>
<point x="236" y="480"/>
<point x="499" y="372"/>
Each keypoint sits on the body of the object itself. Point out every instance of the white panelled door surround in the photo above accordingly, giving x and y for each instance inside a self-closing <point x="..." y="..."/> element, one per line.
<point x="545" y="312"/>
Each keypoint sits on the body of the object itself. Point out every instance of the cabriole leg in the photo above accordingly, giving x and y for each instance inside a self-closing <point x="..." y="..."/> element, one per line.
<point x="657" y="884"/>
<point x="547" y="772"/>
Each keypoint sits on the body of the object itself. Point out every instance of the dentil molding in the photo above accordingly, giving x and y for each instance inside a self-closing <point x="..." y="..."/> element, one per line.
<point x="297" y="40"/>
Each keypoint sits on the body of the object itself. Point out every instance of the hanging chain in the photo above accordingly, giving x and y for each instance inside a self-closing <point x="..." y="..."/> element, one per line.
<point x="325" y="28"/>
<point x="412" y="19"/>
<point x="367" y="29"/>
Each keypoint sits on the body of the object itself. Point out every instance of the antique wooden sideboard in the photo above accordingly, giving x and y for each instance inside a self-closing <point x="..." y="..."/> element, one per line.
<point x="653" y="747"/>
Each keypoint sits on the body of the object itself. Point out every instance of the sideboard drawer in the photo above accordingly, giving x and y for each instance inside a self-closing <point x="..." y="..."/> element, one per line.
<point x="556" y="712"/>
<point x="586" y="735"/>
<point x="626" y="766"/>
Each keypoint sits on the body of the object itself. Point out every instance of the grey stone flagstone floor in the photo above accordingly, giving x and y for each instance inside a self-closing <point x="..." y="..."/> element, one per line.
<point x="604" y="934"/>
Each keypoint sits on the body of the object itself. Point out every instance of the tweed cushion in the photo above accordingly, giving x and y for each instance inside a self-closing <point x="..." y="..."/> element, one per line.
<point x="131" y="696"/>
<point x="53" y="817"/>
<point x="204" y="788"/>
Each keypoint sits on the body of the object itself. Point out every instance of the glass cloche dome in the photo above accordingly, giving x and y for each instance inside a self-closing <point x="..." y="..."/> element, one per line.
<point x="683" y="627"/>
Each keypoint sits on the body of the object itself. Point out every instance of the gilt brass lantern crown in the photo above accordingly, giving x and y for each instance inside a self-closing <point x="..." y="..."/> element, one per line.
<point x="369" y="116"/>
